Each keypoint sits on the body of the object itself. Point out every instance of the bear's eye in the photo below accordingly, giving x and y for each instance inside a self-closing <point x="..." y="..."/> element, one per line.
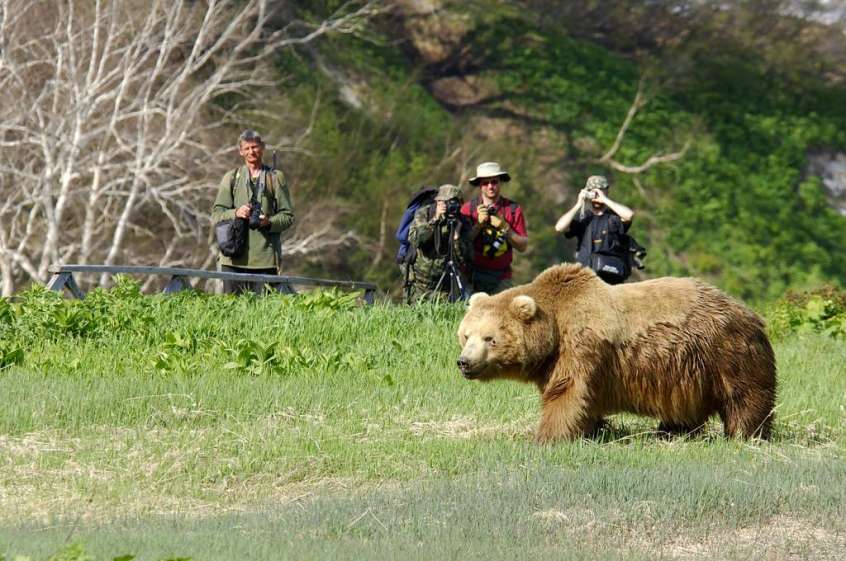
<point x="490" y="340"/>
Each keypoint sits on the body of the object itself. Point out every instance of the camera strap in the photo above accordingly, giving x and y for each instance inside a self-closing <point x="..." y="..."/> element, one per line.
<point x="260" y="185"/>
<point x="257" y="188"/>
<point x="232" y="185"/>
<point x="265" y="177"/>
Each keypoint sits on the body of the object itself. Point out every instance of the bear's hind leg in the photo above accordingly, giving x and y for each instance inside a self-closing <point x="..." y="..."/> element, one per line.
<point x="748" y="390"/>
<point x="748" y="418"/>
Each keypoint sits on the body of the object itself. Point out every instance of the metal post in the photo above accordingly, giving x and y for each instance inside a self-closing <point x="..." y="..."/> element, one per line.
<point x="176" y="283"/>
<point x="60" y="281"/>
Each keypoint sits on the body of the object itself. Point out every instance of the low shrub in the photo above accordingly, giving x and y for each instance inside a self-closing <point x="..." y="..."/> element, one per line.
<point x="821" y="310"/>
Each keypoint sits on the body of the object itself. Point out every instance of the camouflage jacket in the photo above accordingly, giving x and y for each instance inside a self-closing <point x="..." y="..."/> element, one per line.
<point x="431" y="252"/>
<point x="264" y="248"/>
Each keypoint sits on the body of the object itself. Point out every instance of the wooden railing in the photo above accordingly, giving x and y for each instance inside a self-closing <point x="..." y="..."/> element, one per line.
<point x="63" y="279"/>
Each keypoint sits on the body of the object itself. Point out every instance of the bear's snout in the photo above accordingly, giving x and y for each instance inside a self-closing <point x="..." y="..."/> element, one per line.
<point x="464" y="366"/>
<point x="472" y="357"/>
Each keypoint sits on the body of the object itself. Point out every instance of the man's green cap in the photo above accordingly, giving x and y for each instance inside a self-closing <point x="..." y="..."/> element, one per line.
<point x="596" y="182"/>
<point x="447" y="192"/>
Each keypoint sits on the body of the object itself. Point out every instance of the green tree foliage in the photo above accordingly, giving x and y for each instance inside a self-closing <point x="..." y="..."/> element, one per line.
<point x="738" y="209"/>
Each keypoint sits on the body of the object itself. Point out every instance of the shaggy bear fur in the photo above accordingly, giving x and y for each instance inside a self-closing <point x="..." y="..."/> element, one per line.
<point x="672" y="348"/>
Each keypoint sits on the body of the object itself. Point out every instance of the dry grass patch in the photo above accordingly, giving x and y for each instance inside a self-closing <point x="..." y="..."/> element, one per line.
<point x="466" y="428"/>
<point x="119" y="472"/>
<point x="780" y="538"/>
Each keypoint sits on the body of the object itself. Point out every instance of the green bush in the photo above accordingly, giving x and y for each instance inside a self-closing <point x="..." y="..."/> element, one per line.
<point x="178" y="333"/>
<point x="821" y="310"/>
<point x="10" y="354"/>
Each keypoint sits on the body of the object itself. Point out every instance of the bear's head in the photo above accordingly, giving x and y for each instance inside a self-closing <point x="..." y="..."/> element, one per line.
<point x="504" y="336"/>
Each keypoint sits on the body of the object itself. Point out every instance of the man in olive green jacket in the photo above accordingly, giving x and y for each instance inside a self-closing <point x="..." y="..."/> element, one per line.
<point x="264" y="249"/>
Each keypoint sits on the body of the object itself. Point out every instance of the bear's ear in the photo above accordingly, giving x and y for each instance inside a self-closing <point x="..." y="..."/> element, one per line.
<point x="478" y="297"/>
<point x="524" y="307"/>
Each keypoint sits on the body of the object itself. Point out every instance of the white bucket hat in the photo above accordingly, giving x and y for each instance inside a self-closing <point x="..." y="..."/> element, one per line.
<point x="489" y="169"/>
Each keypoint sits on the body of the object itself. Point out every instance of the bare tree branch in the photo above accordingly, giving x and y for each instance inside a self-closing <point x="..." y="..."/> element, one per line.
<point x="319" y="241"/>
<point x="650" y="162"/>
<point x="638" y="102"/>
<point x="107" y="120"/>
<point x="608" y="160"/>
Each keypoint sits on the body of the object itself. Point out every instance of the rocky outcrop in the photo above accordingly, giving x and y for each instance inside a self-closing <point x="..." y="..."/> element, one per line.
<point x="434" y="32"/>
<point x="831" y="168"/>
<point x="462" y="91"/>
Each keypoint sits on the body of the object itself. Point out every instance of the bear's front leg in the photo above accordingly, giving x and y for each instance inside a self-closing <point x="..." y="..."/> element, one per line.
<point x="564" y="411"/>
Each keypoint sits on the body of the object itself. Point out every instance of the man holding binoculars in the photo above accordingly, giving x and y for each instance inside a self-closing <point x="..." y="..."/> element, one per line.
<point x="499" y="227"/>
<point x="599" y="225"/>
<point x="257" y="194"/>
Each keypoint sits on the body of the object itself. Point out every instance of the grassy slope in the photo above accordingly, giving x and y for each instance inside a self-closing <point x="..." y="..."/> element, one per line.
<point x="366" y="442"/>
<point x="738" y="209"/>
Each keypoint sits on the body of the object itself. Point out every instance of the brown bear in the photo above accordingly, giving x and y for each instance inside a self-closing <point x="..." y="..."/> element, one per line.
<point x="672" y="348"/>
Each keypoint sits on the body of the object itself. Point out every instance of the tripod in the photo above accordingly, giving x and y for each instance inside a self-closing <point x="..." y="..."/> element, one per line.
<point x="457" y="288"/>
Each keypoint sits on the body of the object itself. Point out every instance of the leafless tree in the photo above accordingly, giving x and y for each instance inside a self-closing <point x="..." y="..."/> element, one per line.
<point x="110" y="126"/>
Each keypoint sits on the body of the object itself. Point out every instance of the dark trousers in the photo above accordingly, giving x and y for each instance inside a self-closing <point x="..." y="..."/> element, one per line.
<point x="240" y="287"/>
<point x="490" y="282"/>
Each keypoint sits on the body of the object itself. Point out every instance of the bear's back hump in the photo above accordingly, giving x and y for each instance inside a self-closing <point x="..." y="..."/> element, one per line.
<point x="665" y="300"/>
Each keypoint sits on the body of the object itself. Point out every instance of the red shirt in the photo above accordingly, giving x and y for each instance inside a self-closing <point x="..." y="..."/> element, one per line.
<point x="509" y="211"/>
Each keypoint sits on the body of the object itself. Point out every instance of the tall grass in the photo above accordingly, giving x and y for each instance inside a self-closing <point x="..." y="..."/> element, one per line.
<point x="313" y="427"/>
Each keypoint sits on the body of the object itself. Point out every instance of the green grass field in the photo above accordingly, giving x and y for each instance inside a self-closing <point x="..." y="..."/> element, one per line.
<point x="219" y="428"/>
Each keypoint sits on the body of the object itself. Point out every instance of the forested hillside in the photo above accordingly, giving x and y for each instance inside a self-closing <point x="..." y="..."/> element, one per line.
<point x="722" y="126"/>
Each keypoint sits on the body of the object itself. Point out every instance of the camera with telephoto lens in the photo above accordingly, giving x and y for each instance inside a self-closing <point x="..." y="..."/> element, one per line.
<point x="453" y="207"/>
<point x="255" y="215"/>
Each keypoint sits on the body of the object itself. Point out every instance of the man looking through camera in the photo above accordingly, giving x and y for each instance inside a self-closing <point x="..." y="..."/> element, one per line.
<point x="499" y="226"/>
<point x="257" y="194"/>
<point x="598" y="223"/>
<point x="432" y="277"/>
